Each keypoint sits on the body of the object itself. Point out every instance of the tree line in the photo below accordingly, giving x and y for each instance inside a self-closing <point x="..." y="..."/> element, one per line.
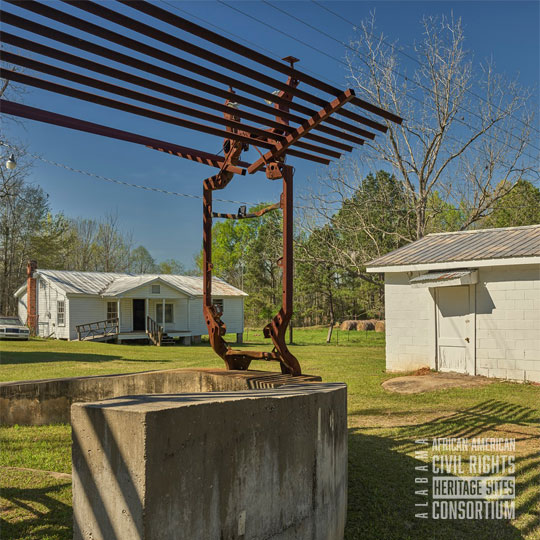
<point x="331" y="283"/>
<point x="30" y="230"/>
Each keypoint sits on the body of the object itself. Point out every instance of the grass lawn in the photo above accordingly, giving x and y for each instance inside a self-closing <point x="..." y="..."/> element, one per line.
<point x="383" y="428"/>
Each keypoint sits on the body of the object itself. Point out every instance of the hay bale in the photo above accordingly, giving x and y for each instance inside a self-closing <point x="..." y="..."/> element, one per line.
<point x="348" y="325"/>
<point x="380" y="326"/>
<point x="365" y="325"/>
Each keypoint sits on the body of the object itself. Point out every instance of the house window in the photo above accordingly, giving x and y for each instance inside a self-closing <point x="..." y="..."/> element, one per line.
<point x="112" y="310"/>
<point x="218" y="302"/>
<point x="156" y="289"/>
<point x="168" y="313"/>
<point x="61" y="313"/>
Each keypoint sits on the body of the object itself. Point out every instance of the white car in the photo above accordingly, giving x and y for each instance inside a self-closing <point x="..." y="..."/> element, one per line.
<point x="13" y="328"/>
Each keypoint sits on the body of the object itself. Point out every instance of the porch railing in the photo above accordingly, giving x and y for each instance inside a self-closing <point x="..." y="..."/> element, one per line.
<point x="154" y="331"/>
<point x="98" y="329"/>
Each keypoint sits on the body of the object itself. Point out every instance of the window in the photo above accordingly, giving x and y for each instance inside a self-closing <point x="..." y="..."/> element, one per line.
<point x="61" y="313"/>
<point x="168" y="313"/>
<point x="156" y="289"/>
<point x="112" y="310"/>
<point x="218" y="302"/>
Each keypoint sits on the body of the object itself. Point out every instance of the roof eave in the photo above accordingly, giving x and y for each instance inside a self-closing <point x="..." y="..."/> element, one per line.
<point x="449" y="265"/>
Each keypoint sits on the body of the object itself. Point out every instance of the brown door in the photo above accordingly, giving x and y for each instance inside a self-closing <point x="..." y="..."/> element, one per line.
<point x="138" y="315"/>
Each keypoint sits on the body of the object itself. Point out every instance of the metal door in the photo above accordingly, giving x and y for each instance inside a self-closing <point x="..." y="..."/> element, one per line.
<point x="455" y="329"/>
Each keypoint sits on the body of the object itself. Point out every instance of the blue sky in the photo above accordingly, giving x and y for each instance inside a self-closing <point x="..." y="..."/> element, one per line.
<point x="170" y="227"/>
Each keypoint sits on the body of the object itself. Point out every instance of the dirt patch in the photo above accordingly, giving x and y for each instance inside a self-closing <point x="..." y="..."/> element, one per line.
<point x="417" y="384"/>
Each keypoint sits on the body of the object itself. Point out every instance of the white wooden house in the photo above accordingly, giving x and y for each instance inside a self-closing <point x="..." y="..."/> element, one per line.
<point x="467" y="302"/>
<point x="68" y="301"/>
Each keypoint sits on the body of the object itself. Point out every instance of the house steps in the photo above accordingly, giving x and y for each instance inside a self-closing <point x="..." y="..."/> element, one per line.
<point x="167" y="340"/>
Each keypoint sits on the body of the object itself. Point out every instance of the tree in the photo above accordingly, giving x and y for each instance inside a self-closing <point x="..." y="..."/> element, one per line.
<point x="23" y="207"/>
<point x="245" y="253"/>
<point x="520" y="206"/>
<point x="470" y="150"/>
<point x="368" y="219"/>
<point x="141" y="262"/>
<point x="52" y="242"/>
<point x="112" y="247"/>
<point x="171" y="266"/>
<point x="82" y="255"/>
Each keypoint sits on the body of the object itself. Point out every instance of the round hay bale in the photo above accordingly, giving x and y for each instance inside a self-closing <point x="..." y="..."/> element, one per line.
<point x="348" y="325"/>
<point x="365" y="325"/>
<point x="380" y="326"/>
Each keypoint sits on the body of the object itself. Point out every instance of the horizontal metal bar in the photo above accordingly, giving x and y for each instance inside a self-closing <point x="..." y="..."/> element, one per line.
<point x="47" y="117"/>
<point x="132" y="94"/>
<point x="123" y="20"/>
<point x="68" y="39"/>
<point x="86" y="26"/>
<point x="240" y="215"/>
<point x="246" y="52"/>
<point x="281" y="148"/>
<point x="141" y="111"/>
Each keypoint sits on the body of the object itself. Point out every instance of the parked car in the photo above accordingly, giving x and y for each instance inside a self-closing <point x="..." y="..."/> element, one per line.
<point x="13" y="328"/>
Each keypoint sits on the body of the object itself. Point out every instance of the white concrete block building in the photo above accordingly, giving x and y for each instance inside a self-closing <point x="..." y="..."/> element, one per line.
<point x="466" y="302"/>
<point x="69" y="305"/>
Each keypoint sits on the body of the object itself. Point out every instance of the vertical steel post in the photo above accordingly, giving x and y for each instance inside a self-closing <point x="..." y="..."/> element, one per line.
<point x="207" y="245"/>
<point x="287" y="205"/>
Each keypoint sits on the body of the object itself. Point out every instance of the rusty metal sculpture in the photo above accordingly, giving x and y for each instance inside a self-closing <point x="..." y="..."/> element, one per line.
<point x="278" y="136"/>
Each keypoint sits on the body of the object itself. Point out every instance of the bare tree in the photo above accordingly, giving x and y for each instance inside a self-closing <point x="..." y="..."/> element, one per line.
<point x="470" y="150"/>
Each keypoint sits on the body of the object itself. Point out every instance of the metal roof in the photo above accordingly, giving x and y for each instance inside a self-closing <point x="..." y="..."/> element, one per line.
<point x="115" y="284"/>
<point x="482" y="244"/>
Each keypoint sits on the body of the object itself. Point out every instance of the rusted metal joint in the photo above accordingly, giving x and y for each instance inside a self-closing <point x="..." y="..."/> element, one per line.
<point x="273" y="170"/>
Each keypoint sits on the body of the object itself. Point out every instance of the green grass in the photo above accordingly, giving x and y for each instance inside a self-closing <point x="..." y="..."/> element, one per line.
<point x="382" y="431"/>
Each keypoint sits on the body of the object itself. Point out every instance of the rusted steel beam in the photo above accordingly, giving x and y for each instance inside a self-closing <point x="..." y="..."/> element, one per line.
<point x="68" y="39"/>
<point x="47" y="117"/>
<point x="237" y="48"/>
<point x="218" y="59"/>
<point x="136" y="25"/>
<point x="242" y="214"/>
<point x="141" y="111"/>
<point x="277" y="327"/>
<point x="252" y="131"/>
<point x="280" y="148"/>
<point x="86" y="26"/>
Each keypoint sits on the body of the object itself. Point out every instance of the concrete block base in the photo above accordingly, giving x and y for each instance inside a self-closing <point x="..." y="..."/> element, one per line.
<point x="253" y="464"/>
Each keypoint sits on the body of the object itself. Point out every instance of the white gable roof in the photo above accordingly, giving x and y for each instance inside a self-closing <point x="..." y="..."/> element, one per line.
<point x="115" y="284"/>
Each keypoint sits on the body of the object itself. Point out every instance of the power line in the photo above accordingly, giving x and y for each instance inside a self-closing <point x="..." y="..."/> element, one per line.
<point x="187" y="195"/>
<point x="346" y="65"/>
<point x="341" y="62"/>
<point x="397" y="72"/>
<point x="411" y="57"/>
<point x="122" y="182"/>
<point x="320" y="51"/>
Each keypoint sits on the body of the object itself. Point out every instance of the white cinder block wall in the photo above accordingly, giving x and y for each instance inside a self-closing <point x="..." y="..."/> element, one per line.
<point x="410" y="324"/>
<point x="508" y="322"/>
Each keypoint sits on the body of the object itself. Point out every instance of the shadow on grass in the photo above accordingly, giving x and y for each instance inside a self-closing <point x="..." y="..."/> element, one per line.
<point x="44" y="516"/>
<point x="40" y="357"/>
<point x="382" y="477"/>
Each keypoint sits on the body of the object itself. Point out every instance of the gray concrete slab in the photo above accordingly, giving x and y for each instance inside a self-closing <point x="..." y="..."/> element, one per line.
<point x="251" y="464"/>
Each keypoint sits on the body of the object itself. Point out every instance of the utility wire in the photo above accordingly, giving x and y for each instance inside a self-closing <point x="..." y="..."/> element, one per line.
<point x="341" y="62"/>
<point x="241" y="38"/>
<point x="187" y="195"/>
<point x="317" y="50"/>
<point x="121" y="182"/>
<point x="411" y="57"/>
<point x="397" y="72"/>
<point x="257" y="46"/>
